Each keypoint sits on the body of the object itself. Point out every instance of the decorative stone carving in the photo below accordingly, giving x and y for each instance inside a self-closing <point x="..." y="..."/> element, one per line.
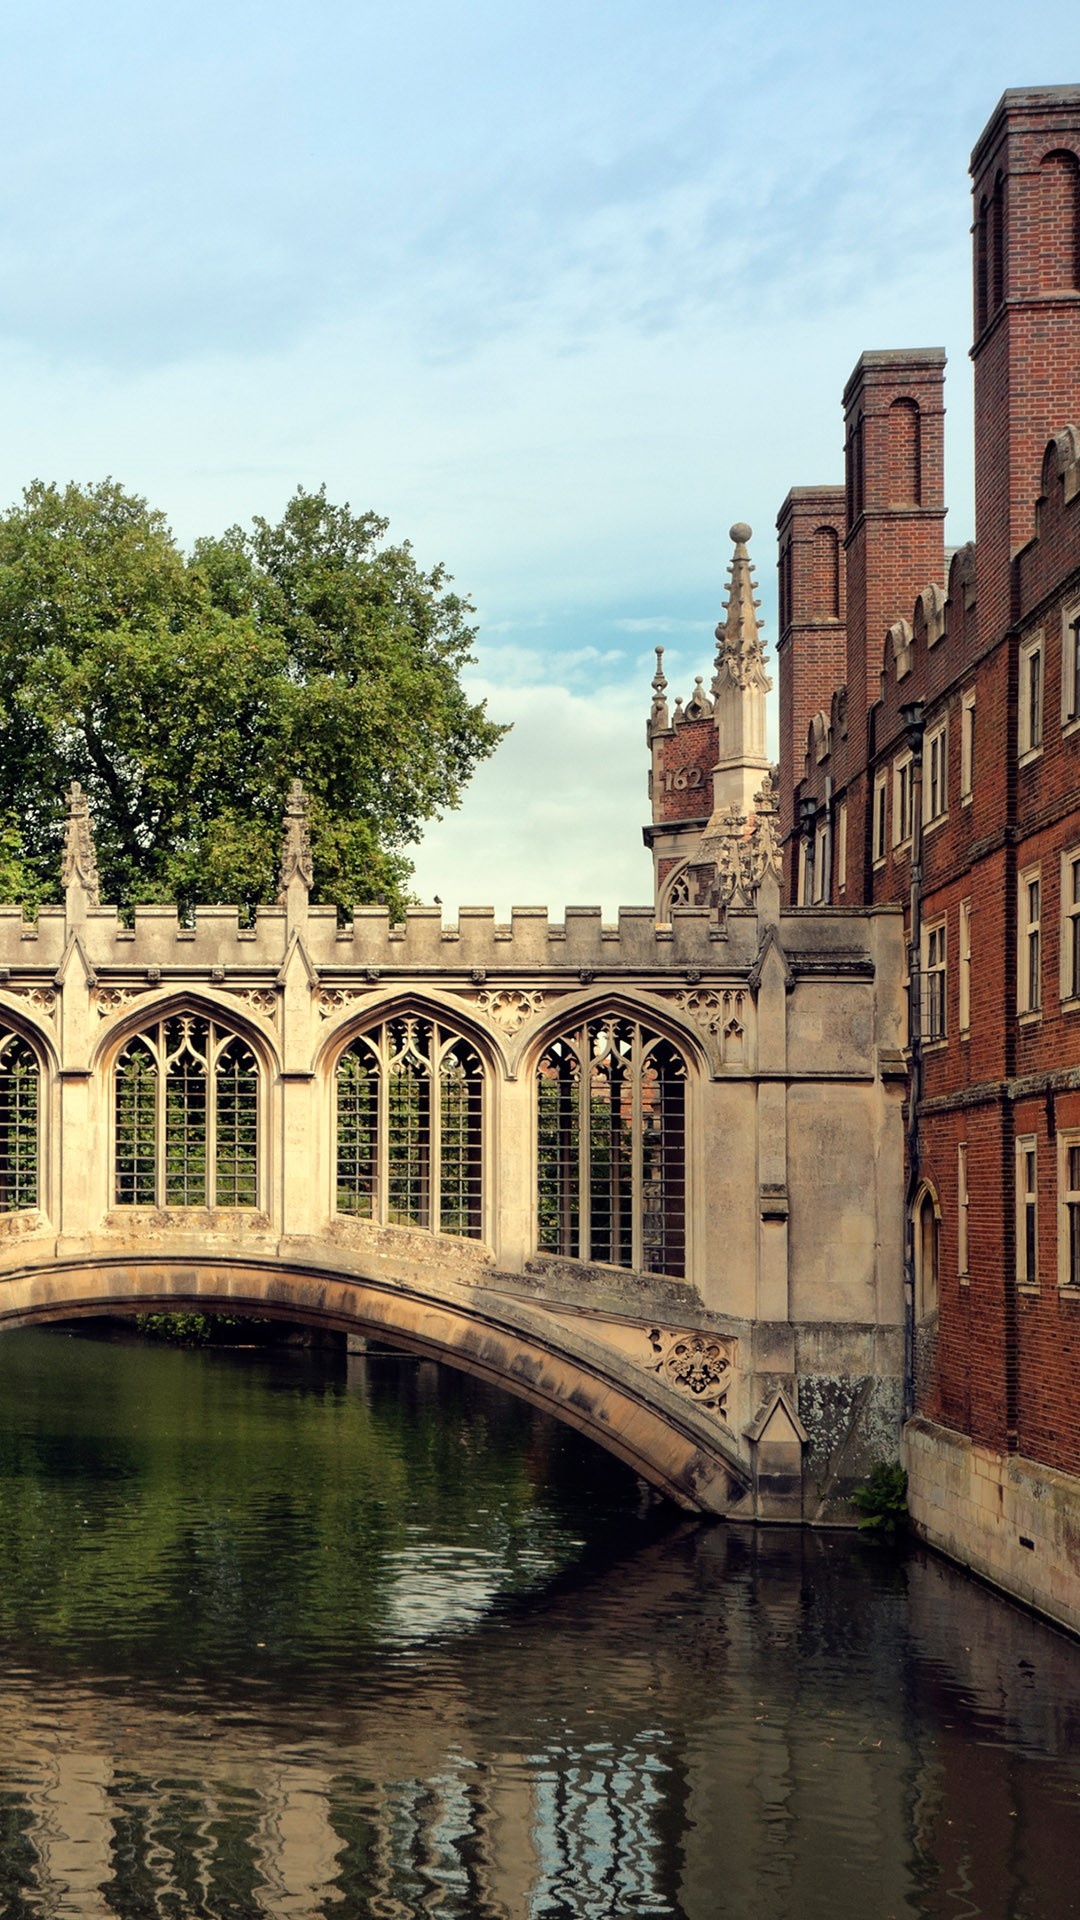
<point x="261" y="1000"/>
<point x="331" y="1000"/>
<point x="510" y="1007"/>
<point x="110" y="1000"/>
<point x="42" y="999"/>
<point x="79" y="864"/>
<point x="714" y="1010"/>
<point x="697" y="1364"/>
<point x="296" y="843"/>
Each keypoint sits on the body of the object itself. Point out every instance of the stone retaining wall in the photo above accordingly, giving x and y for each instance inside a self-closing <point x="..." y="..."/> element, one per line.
<point x="1009" y="1519"/>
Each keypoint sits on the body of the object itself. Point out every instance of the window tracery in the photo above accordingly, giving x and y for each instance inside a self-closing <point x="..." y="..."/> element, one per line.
<point x="410" y="1101"/>
<point x="20" y="1083"/>
<point x="611" y="1146"/>
<point x="186" y="1117"/>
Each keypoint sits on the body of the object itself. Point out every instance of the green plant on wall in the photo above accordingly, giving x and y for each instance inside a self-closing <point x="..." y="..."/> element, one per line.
<point x="882" y="1499"/>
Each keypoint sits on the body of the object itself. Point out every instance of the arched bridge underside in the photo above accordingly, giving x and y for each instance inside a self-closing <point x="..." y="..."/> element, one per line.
<point x="679" y="1449"/>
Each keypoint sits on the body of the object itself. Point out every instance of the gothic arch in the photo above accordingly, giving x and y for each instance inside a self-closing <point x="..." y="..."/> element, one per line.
<point x="412" y="1118"/>
<point x="677" y="882"/>
<point x="191" y="1125"/>
<point x="426" y="1003"/>
<point x="926" y="1237"/>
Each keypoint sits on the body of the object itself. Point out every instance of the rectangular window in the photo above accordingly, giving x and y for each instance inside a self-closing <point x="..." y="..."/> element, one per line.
<point x="967" y="745"/>
<point x="1069" y="1216"/>
<point x="1070" y="665"/>
<point x="821" y="861"/>
<point x="881" y="803"/>
<point x="1027" y="1213"/>
<point x="1030" y="698"/>
<point x="802" y="895"/>
<point x="1070" y="925"/>
<point x="964" y="969"/>
<point x="841" y="848"/>
<point x="933" y="998"/>
<point x="936" y="790"/>
<point x="1029" y="942"/>
<point x="961" y="1211"/>
<point x="902" y="814"/>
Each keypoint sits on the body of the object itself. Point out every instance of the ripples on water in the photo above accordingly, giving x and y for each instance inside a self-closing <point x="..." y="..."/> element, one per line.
<point x="281" y="1635"/>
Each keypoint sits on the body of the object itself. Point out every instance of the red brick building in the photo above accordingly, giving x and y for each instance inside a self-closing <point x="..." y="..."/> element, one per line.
<point x="930" y="755"/>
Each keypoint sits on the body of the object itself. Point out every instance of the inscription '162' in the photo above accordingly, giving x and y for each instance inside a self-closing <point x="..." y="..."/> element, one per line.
<point x="677" y="780"/>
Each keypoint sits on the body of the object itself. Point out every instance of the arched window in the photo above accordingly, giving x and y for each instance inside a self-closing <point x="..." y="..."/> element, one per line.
<point x="20" y="1079"/>
<point x="611" y="1147"/>
<point x="678" y="892"/>
<point x="926" y="1255"/>
<point x="187" y="1119"/>
<point x="410" y="1098"/>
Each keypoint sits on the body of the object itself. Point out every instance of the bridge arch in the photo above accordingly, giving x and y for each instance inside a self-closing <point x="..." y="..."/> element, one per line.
<point x="634" y="1415"/>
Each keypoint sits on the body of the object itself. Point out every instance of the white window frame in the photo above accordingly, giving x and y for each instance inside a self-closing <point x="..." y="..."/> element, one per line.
<point x="1069" y="1210"/>
<point x="903" y="810"/>
<point x="1070" y="926"/>
<point x="1031" y="699"/>
<point x="1029" y="943"/>
<point x="881" y="816"/>
<point x="935" y="950"/>
<point x="800" y="889"/>
<point x="962" y="1202"/>
<point x="841" y="848"/>
<point x="963" y="971"/>
<point x="936" y="774"/>
<point x="967" y="746"/>
<point x="1070" y="666"/>
<point x="1027" y="1211"/>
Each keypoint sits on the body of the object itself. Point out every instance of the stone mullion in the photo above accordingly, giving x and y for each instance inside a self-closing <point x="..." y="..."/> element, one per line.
<point x="584" y="1047"/>
<point x="637" y="1148"/>
<point x="380" y="1207"/>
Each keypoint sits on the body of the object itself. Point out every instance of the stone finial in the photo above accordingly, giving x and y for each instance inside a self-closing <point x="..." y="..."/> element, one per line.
<point x="79" y="868"/>
<point x="740" y="656"/>
<point x="658" y="717"/>
<point x="722" y="846"/>
<point x="763" y="845"/>
<point x="296" y="868"/>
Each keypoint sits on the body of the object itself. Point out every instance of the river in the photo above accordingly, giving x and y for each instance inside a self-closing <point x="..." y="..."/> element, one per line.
<point x="284" y="1633"/>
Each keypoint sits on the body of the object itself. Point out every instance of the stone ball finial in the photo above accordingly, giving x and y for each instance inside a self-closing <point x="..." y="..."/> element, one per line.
<point x="741" y="533"/>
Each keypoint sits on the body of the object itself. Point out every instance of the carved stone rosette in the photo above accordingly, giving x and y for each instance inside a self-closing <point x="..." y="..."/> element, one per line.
<point x="331" y="1000"/>
<point x="42" y="999"/>
<point x="510" y="1007"/>
<point x="110" y="1000"/>
<point x="697" y="1364"/>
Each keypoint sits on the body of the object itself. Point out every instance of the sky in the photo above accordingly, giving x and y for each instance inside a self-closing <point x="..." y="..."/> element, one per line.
<point x="562" y="289"/>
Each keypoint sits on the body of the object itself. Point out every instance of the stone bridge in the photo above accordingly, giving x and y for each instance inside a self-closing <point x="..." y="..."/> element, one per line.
<point x="646" y="1175"/>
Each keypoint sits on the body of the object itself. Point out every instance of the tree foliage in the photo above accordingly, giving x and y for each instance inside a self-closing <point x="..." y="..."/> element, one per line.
<point x="185" y="691"/>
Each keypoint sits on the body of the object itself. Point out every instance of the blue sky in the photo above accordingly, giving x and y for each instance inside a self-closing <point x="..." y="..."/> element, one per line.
<point x="563" y="289"/>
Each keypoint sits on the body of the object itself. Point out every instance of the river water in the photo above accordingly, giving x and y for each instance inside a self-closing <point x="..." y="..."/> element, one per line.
<point x="285" y="1634"/>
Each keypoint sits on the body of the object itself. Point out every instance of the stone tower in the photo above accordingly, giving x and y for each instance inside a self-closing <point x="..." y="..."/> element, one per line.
<point x="709" y="764"/>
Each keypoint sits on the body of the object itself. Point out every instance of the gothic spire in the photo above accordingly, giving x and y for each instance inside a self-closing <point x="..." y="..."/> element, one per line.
<point x="740" y="657"/>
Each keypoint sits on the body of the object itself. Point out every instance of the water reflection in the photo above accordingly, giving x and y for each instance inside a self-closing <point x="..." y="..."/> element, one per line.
<point x="477" y="1697"/>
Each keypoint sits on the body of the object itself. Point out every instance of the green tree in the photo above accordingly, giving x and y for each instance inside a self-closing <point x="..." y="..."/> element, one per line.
<point x="185" y="691"/>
